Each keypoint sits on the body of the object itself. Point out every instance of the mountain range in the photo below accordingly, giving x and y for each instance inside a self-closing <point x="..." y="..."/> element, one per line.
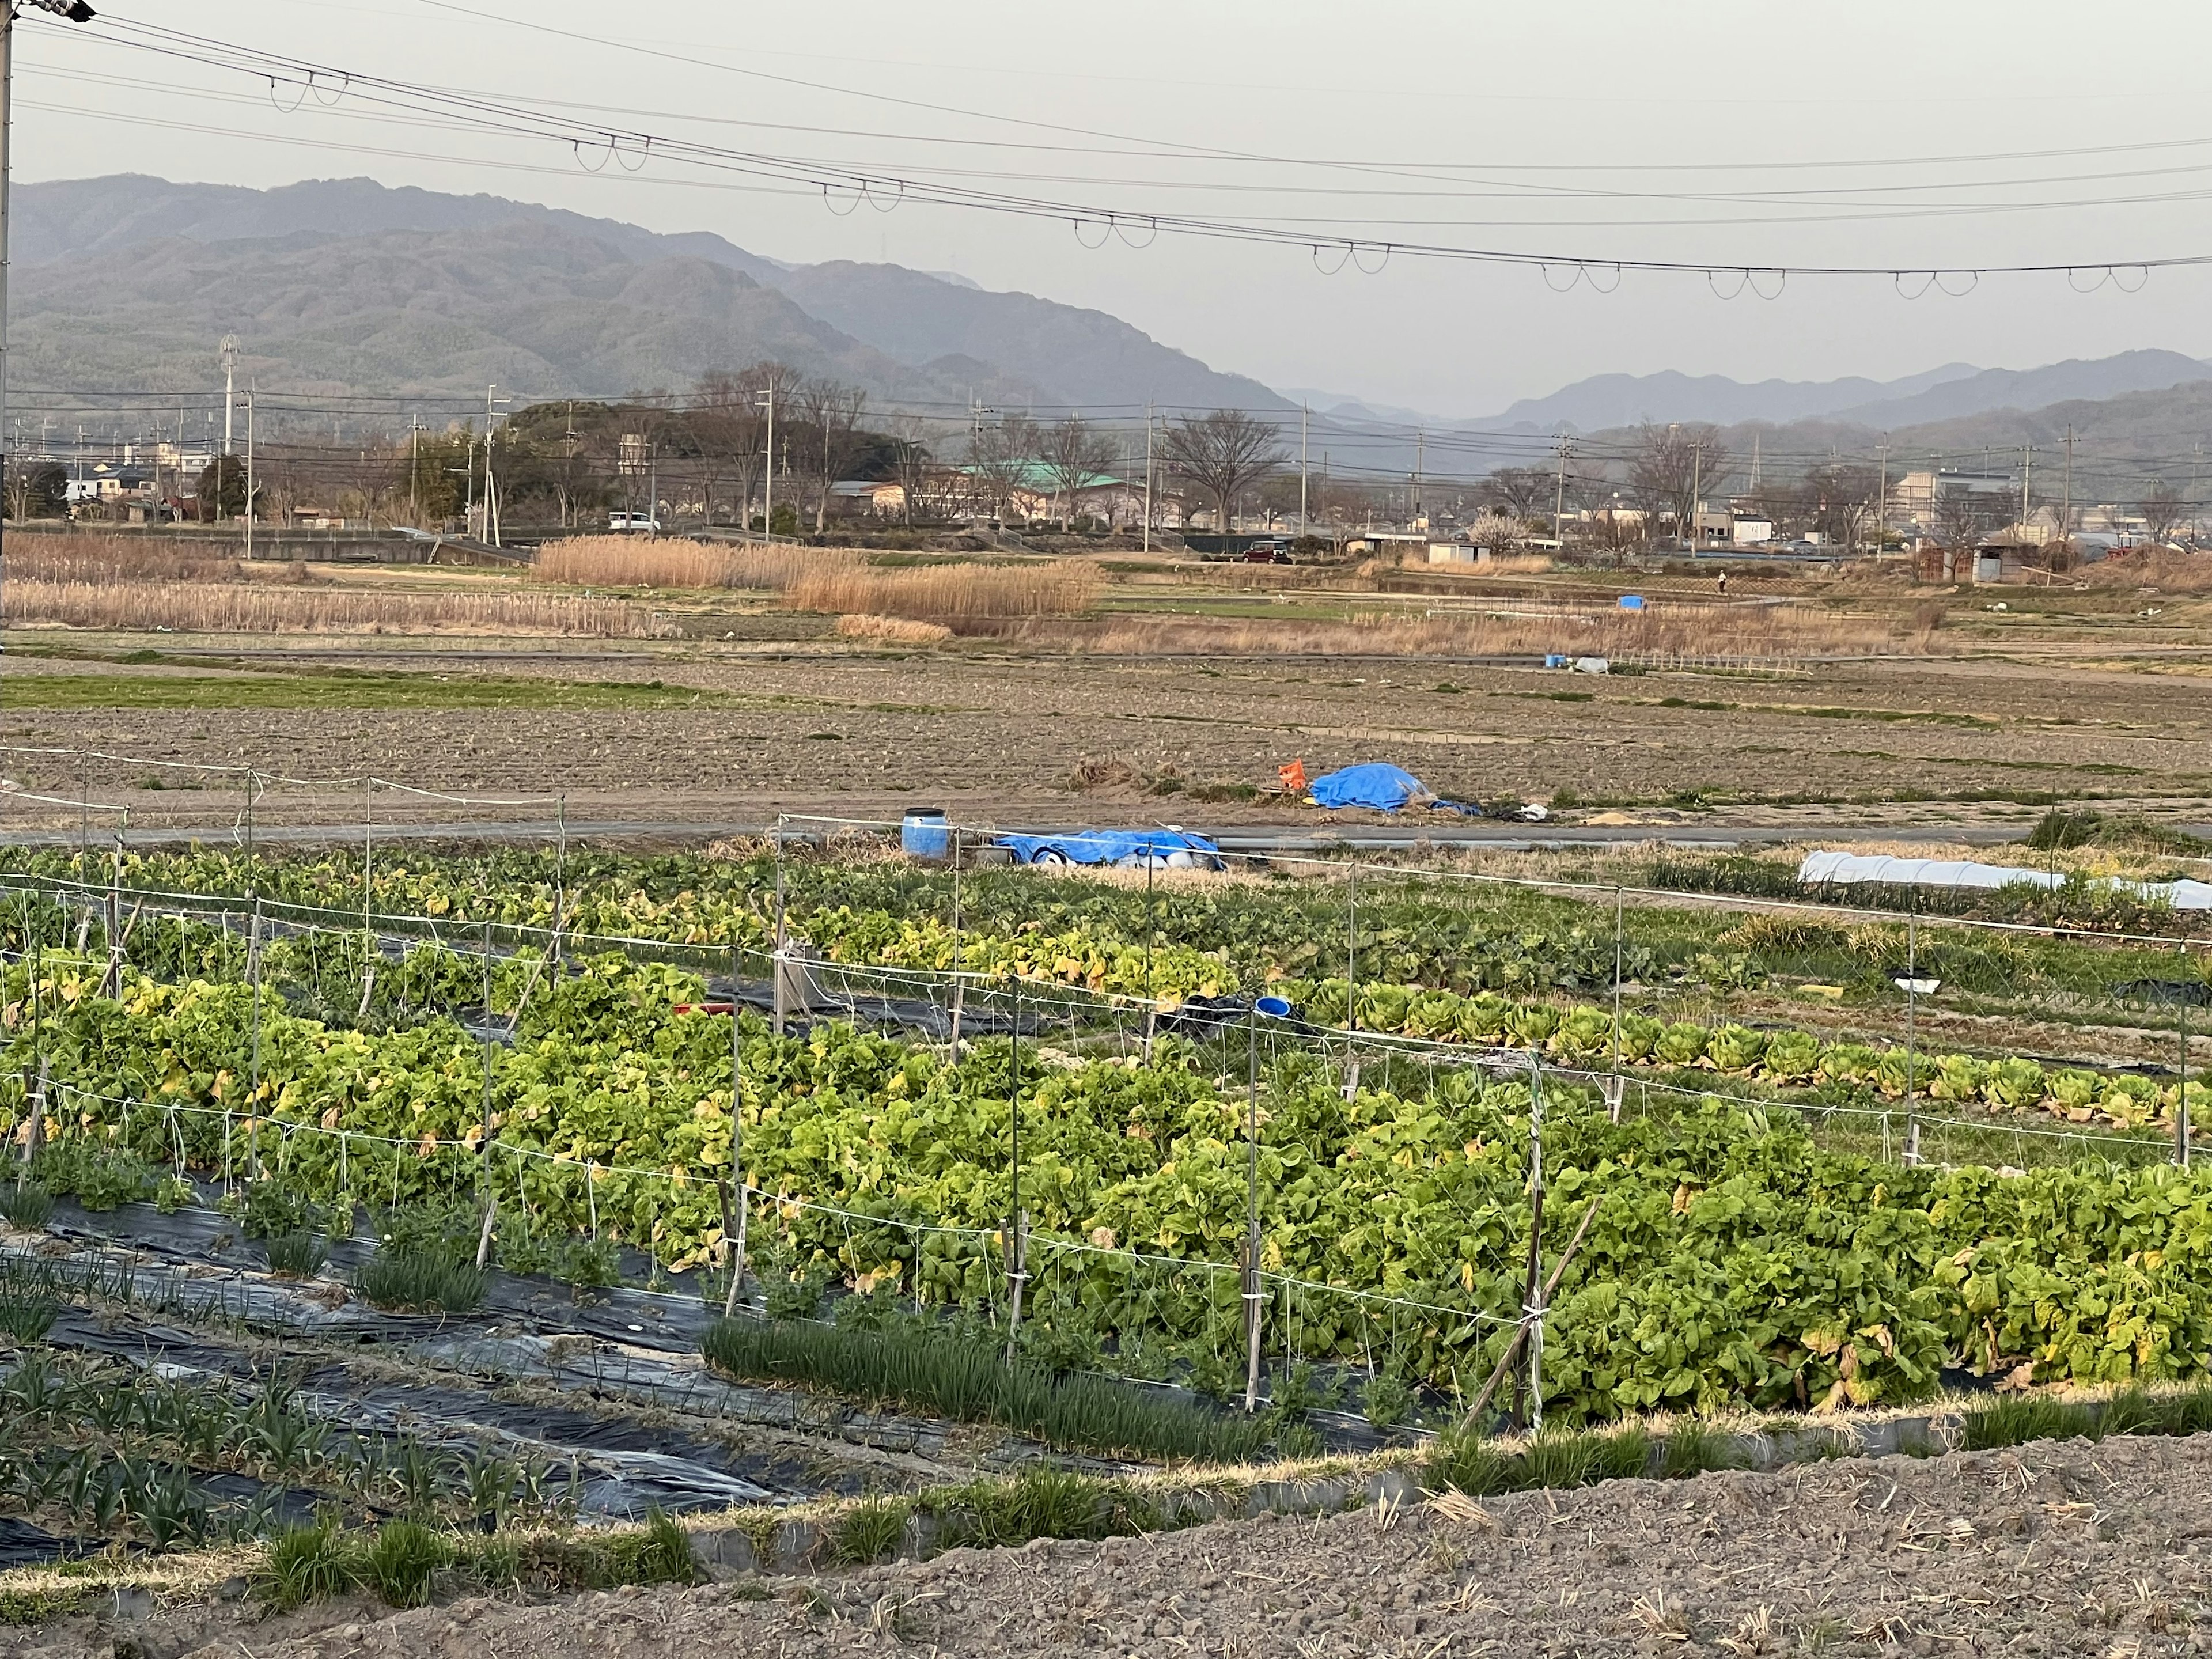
<point x="349" y="287"/>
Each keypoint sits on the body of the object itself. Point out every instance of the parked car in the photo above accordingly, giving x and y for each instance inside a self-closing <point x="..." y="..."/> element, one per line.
<point x="626" y="521"/>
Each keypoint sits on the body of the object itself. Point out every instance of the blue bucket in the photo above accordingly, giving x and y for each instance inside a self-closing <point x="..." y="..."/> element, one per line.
<point x="923" y="833"/>
<point x="1274" y="1007"/>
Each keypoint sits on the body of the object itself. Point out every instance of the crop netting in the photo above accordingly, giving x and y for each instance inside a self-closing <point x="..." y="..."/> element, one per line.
<point x="517" y="1053"/>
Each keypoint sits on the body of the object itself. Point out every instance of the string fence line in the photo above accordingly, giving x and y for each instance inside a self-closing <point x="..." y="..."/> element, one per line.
<point x="592" y="1172"/>
<point x="938" y="988"/>
<point x="1257" y="860"/>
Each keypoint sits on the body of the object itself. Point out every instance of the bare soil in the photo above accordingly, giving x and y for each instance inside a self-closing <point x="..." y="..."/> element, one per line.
<point x="993" y="731"/>
<point x="2052" y="1549"/>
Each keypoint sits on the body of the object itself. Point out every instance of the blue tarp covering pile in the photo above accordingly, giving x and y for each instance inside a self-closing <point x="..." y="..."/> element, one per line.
<point x="1136" y="846"/>
<point x="1376" y="784"/>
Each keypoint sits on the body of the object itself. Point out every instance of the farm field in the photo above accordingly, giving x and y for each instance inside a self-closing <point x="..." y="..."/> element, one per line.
<point x="739" y="701"/>
<point x="420" y="1168"/>
<point x="2054" y="1550"/>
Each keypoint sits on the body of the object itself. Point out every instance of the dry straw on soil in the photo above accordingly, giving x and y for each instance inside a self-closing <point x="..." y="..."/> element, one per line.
<point x="894" y="631"/>
<point x="665" y="561"/>
<point x="1701" y="630"/>
<point x="258" y="607"/>
<point x="2163" y="568"/>
<point x="963" y="596"/>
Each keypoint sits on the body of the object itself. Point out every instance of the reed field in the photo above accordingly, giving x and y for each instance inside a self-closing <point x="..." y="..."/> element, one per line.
<point x="267" y="607"/>
<point x="672" y="561"/>
<point x="891" y="630"/>
<point x="968" y="597"/>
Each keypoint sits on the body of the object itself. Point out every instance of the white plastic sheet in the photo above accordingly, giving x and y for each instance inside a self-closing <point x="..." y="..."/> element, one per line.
<point x="1859" y="868"/>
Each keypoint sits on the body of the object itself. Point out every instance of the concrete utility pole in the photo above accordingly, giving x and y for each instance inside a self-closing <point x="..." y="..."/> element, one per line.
<point x="491" y="499"/>
<point x="768" y="472"/>
<point x="1302" y="414"/>
<point x="78" y="12"/>
<point x="1559" y="491"/>
<point x="1697" y="484"/>
<point x="1420" y="460"/>
<point x="1881" y="497"/>
<point x="229" y="353"/>
<point x="2066" y="496"/>
<point x="249" y="474"/>
<point x="2026" y="460"/>
<point x="1148" y="476"/>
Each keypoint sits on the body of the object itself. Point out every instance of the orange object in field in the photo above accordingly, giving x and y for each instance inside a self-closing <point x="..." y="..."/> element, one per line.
<point x="1292" y="777"/>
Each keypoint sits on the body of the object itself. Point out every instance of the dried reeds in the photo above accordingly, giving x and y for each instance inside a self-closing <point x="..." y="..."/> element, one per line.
<point x="894" y="631"/>
<point x="2165" y="568"/>
<point x="80" y="556"/>
<point x="960" y="595"/>
<point x="1762" y="631"/>
<point x="185" y="607"/>
<point x="659" y="561"/>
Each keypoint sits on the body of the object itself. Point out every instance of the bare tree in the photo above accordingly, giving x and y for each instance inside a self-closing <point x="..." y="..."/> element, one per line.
<point x="1076" y="456"/>
<point x="1520" y="492"/>
<point x="2162" y="510"/>
<point x="913" y="465"/>
<point x="1846" y="496"/>
<point x="1966" y="517"/>
<point x="1225" y="453"/>
<point x="1002" y="457"/>
<point x="1672" y="467"/>
<point x="831" y="411"/>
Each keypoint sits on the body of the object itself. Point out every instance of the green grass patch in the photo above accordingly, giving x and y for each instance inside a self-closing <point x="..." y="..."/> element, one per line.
<point x="924" y="1370"/>
<point x="331" y="689"/>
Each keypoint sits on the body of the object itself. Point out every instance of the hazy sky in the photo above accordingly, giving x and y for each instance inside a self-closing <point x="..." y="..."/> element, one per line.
<point x="1959" y="134"/>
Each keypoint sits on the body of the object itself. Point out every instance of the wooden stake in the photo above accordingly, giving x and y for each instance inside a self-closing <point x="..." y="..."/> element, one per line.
<point x="1513" y="1350"/>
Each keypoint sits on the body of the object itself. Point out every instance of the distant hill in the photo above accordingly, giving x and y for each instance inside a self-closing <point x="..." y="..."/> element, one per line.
<point x="2030" y="388"/>
<point x="1082" y="356"/>
<point x="347" y="284"/>
<point x="537" y="308"/>
<point x="1616" y="400"/>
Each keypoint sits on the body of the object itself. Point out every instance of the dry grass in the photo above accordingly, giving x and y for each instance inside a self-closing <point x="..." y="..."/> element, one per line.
<point x="1701" y="630"/>
<point x="961" y="595"/>
<point x="88" y="557"/>
<point x="662" y="562"/>
<point x="2160" y="567"/>
<point x="185" y="607"/>
<point x="895" y="630"/>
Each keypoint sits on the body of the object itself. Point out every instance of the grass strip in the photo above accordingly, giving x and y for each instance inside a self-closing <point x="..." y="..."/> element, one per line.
<point x="941" y="1374"/>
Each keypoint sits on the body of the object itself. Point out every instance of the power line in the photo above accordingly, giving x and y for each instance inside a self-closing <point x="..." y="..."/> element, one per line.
<point x="632" y="148"/>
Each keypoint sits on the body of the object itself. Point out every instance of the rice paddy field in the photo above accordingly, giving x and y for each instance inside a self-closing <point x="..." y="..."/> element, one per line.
<point x="456" y="1160"/>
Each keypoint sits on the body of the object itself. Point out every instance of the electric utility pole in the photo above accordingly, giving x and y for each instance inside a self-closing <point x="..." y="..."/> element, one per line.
<point x="1303" y="413"/>
<point x="491" y="499"/>
<point x="1881" y="497"/>
<point x="1148" y="476"/>
<point x="1697" y="487"/>
<point x="767" y="398"/>
<point x="78" y="12"/>
<point x="249" y="473"/>
<point x="1559" y="489"/>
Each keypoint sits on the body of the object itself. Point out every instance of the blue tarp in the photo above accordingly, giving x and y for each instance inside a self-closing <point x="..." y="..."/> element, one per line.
<point x="1135" y="846"/>
<point x="1376" y="784"/>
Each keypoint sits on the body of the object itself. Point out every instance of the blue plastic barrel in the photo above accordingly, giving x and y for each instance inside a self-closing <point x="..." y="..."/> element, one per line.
<point x="923" y="833"/>
<point x="1274" y="1007"/>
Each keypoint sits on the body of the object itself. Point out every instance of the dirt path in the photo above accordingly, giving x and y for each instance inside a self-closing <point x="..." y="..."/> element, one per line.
<point x="2057" y="1549"/>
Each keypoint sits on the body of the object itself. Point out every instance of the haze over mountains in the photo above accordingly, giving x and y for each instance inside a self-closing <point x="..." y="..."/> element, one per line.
<point x="352" y="287"/>
<point x="346" y="285"/>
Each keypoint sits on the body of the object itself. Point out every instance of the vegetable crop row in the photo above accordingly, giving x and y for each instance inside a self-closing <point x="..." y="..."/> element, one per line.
<point x="1731" y="1259"/>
